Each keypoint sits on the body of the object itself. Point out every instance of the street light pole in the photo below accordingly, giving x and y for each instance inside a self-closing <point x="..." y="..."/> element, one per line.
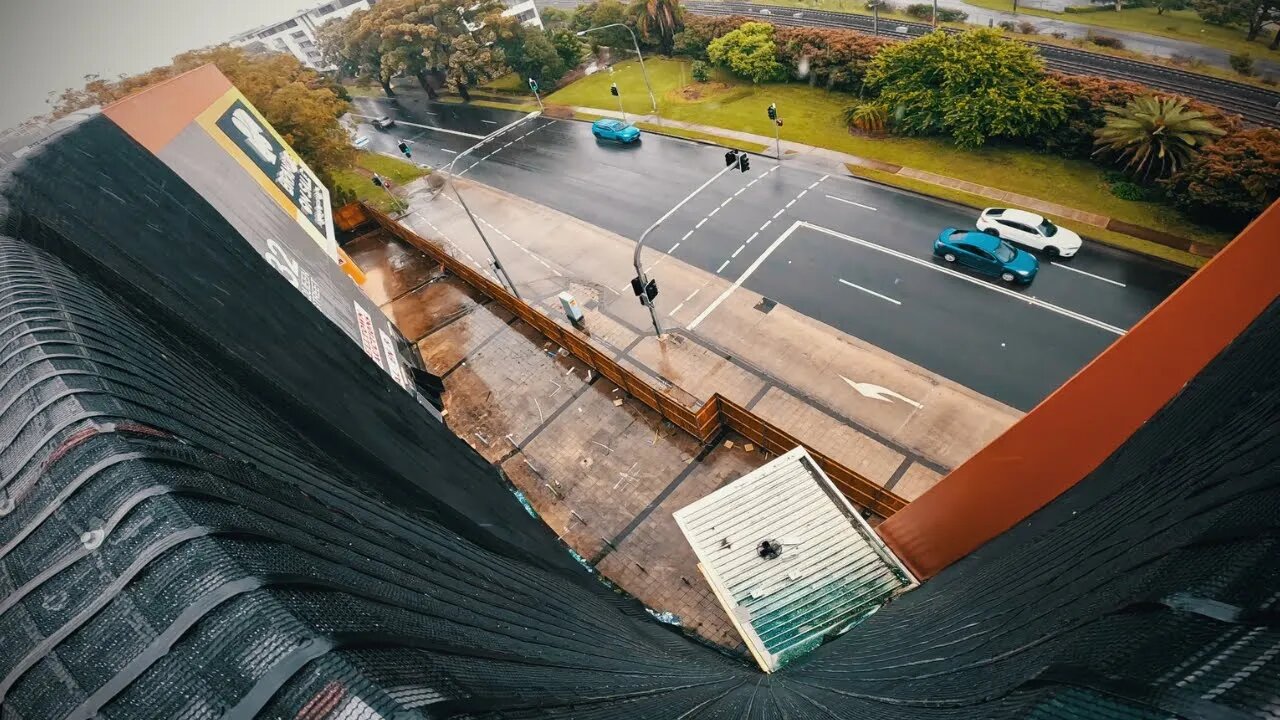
<point x="935" y="14"/>
<point x="644" y="279"/>
<point x="448" y="171"/>
<point x="652" y="101"/>
<point x="875" y="18"/>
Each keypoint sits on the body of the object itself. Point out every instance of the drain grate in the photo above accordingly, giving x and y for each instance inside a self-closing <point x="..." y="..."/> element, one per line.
<point x="765" y="305"/>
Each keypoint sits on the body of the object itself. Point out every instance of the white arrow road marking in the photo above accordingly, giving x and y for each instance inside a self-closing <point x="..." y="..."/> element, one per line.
<point x="883" y="394"/>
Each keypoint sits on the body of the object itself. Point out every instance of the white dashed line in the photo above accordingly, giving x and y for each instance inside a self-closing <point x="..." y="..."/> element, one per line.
<point x="740" y="191"/>
<point x="802" y="194"/>
<point x="754" y="235"/>
<point x="714" y="211"/>
<point x="686" y="236"/>
<point x="766" y="224"/>
<point x="850" y="202"/>
<point x="775" y="215"/>
<point x="789" y="204"/>
<point x="869" y="292"/>
<point x="743" y="278"/>
<point x="726" y="202"/>
<point x="491" y="122"/>
<point x="673" y="247"/>
<point x="815" y="184"/>
<point x="451" y="152"/>
<point x="722" y="267"/>
<point x="675" y="310"/>
<point x="700" y="223"/>
<point x="740" y="249"/>
<point x="1095" y="277"/>
<point x="695" y="292"/>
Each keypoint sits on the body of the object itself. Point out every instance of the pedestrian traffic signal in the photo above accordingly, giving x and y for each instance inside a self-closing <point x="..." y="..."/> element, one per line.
<point x="773" y="111"/>
<point x="533" y="85"/>
<point x="637" y="286"/>
<point x="730" y="158"/>
<point x="613" y="89"/>
<point x="404" y="148"/>
<point x="651" y="290"/>
<point x="744" y="162"/>
<point x="377" y="180"/>
<point x="779" y="121"/>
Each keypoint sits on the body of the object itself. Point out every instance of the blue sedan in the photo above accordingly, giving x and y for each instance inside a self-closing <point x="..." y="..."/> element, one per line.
<point x="616" y="130"/>
<point x="986" y="254"/>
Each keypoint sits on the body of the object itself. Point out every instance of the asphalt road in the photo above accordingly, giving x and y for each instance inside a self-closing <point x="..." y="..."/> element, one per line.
<point x="849" y="253"/>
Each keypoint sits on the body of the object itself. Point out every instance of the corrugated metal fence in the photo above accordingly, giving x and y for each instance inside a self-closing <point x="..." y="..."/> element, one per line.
<point x="716" y="414"/>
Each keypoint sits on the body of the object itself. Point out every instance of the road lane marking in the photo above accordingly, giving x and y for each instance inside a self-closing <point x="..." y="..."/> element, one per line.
<point x="673" y="247"/>
<point x="775" y="167"/>
<point x="722" y="266"/>
<point x="870" y="292"/>
<point x="451" y="152"/>
<point x="428" y="127"/>
<point x="766" y="224"/>
<point x="743" y="278"/>
<point x="714" y="211"/>
<point x="789" y="204"/>
<point x="740" y="191"/>
<point x="814" y="185"/>
<point x="726" y="201"/>
<point x="700" y="223"/>
<point x="802" y="193"/>
<point x="740" y="249"/>
<point x="754" y="235"/>
<point x="695" y="292"/>
<point x="491" y="122"/>
<point x="956" y="274"/>
<point x="1095" y="277"/>
<point x="775" y="215"/>
<point x="850" y="202"/>
<point x="675" y="310"/>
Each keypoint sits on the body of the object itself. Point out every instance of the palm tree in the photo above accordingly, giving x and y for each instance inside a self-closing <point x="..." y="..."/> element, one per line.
<point x="1154" y="134"/>
<point x="658" y="22"/>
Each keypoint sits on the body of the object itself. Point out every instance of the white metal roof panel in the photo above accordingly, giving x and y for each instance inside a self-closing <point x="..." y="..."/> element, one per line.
<point x="832" y="570"/>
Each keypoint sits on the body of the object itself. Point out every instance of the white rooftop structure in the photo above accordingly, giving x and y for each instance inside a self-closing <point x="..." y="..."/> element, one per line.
<point x="792" y="562"/>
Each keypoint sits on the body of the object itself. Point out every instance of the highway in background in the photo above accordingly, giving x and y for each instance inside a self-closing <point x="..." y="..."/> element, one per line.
<point x="852" y="254"/>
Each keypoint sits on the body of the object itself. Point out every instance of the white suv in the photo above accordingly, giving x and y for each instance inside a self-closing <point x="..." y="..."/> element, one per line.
<point x="1029" y="229"/>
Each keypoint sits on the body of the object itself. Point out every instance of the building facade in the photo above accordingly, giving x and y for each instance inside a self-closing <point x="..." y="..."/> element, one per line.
<point x="297" y="35"/>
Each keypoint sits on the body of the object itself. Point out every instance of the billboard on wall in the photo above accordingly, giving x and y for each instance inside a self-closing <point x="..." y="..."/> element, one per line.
<point x="210" y="135"/>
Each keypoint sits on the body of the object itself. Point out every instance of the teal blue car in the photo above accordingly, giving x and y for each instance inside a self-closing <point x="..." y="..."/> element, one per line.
<point x="986" y="254"/>
<point x="615" y="130"/>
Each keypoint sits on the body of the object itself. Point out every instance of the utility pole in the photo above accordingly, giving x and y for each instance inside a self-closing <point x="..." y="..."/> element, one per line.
<point x="647" y="289"/>
<point x="652" y="101"/>
<point x="448" y="172"/>
<point x="875" y="17"/>
<point x="533" y="85"/>
<point x="935" y="14"/>
<point x="396" y="204"/>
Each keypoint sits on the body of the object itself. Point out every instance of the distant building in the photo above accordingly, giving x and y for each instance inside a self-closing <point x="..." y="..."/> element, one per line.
<point x="297" y="35"/>
<point x="526" y="12"/>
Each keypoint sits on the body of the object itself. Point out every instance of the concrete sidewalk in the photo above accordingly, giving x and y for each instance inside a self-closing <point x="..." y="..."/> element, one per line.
<point x="788" y="368"/>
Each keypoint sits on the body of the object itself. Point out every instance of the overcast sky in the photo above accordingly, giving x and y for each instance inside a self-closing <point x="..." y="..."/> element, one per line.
<point x="52" y="44"/>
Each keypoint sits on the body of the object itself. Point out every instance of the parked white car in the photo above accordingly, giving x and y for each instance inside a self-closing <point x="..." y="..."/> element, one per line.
<point x="384" y="122"/>
<point x="1030" y="230"/>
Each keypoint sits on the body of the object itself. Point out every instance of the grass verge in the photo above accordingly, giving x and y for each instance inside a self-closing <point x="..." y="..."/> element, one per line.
<point x="702" y="136"/>
<point x="1102" y="235"/>
<point x="357" y="179"/>
<point x="364" y="91"/>
<point x="1177" y="24"/>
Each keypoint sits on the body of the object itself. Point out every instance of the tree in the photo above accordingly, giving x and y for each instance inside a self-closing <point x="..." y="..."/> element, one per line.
<point x="658" y="21"/>
<point x="1232" y="180"/>
<point x="972" y="86"/>
<point x="1153" y="133"/>
<point x="748" y="51"/>
<point x="829" y="58"/>
<point x="599" y="14"/>
<point x="1253" y="15"/>
<point x="569" y="48"/>
<point x="531" y="54"/>
<point x="1163" y="6"/>
<point x="355" y="46"/>
<point x="700" y="30"/>
<point x="296" y="100"/>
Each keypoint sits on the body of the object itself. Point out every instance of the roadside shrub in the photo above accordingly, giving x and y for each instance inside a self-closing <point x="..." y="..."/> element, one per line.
<point x="885" y="5"/>
<point x="748" y="51"/>
<point x="1027" y="28"/>
<point x="1007" y="25"/>
<point x="1086" y="99"/>
<point x="922" y="11"/>
<point x="871" y="118"/>
<point x="1105" y="41"/>
<point x="701" y="72"/>
<point x="1231" y="181"/>
<point x="952" y="15"/>
<point x="1241" y="63"/>
<point x="829" y="58"/>
<point x="970" y="86"/>
<point x="1058" y="34"/>
<point x="700" y="30"/>
<point x="1183" y="60"/>
<point x="1126" y="190"/>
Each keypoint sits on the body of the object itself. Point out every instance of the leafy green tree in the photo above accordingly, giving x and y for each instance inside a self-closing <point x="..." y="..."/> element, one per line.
<point x="297" y="101"/>
<point x="569" y="48"/>
<point x="1163" y="6"/>
<point x="700" y="71"/>
<point x="1154" y="135"/>
<point x="748" y="51"/>
<point x="657" y="22"/>
<point x="1233" y="180"/>
<point x="599" y="14"/>
<point x="971" y="86"/>
<point x="1252" y="15"/>
<point x="531" y="54"/>
<point x="556" y="18"/>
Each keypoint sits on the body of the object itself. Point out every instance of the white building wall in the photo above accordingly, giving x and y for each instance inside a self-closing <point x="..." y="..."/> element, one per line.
<point x="526" y="11"/>
<point x="297" y="35"/>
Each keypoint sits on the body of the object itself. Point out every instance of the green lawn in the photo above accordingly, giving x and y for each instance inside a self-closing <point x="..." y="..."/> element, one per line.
<point x="510" y="82"/>
<point x="364" y="91"/>
<point x="1176" y="24"/>
<point x="358" y="179"/>
<point x="704" y="136"/>
<point x="812" y="116"/>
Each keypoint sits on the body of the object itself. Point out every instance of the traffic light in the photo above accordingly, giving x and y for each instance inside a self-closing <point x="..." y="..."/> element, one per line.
<point x="613" y="89"/>
<point x="404" y="148"/>
<point x="744" y="162"/>
<point x="779" y="121"/>
<point x="730" y="158"/>
<point x="773" y="111"/>
<point x="651" y="290"/>
<point x="637" y="287"/>
<point x="533" y="85"/>
<point x="377" y="180"/>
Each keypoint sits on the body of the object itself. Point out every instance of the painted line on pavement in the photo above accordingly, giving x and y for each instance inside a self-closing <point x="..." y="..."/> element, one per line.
<point x="722" y="267"/>
<point x="451" y="152"/>
<point x="1095" y="277"/>
<point x="743" y="278"/>
<point x="701" y="222"/>
<point x="740" y="249"/>
<point x="1030" y="300"/>
<point x="675" y="310"/>
<point x="429" y="127"/>
<point x="673" y="247"/>
<point x="766" y="224"/>
<point x="692" y="294"/>
<point x="754" y="235"/>
<point x="714" y="211"/>
<point x="740" y="191"/>
<point x="775" y="215"/>
<point x="850" y="202"/>
<point x="870" y="292"/>
<point x="491" y="122"/>
<point x="789" y="203"/>
<point x="686" y="236"/>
